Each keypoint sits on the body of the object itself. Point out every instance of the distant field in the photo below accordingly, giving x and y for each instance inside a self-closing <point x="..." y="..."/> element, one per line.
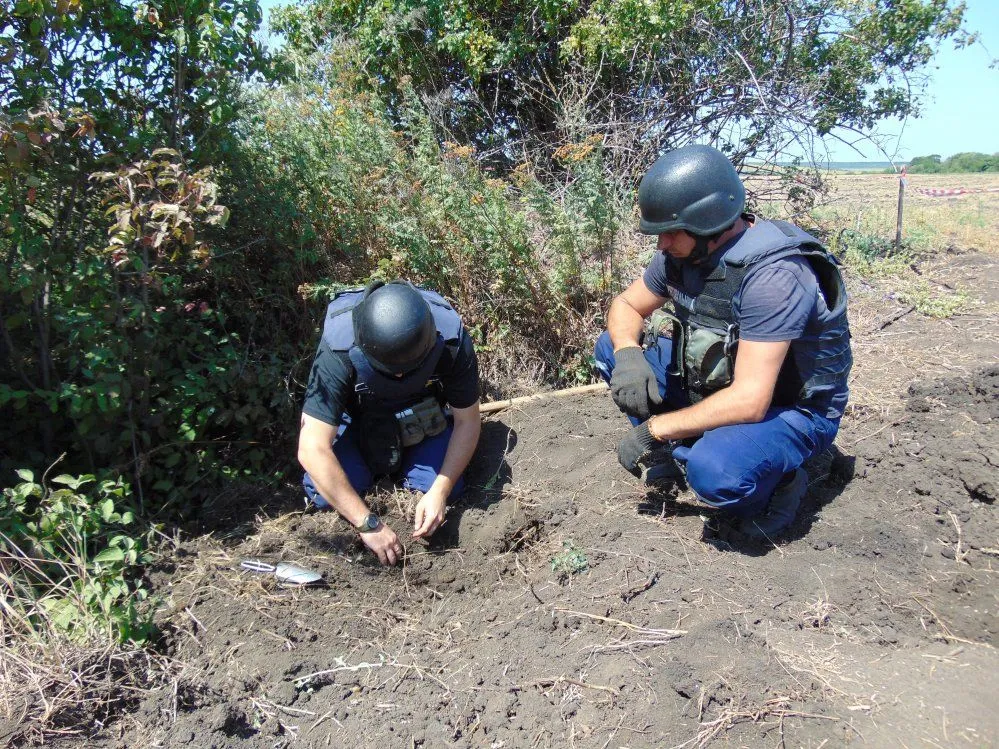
<point x="868" y="203"/>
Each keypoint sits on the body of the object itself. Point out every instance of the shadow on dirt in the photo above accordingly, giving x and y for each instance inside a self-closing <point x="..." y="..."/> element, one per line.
<point x="486" y="477"/>
<point x="828" y="475"/>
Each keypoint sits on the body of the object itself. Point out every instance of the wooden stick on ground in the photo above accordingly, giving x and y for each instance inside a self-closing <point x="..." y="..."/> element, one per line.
<point x="488" y="408"/>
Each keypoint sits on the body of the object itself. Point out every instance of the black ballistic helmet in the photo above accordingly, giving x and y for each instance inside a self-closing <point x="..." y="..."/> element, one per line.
<point x="394" y="327"/>
<point x="694" y="188"/>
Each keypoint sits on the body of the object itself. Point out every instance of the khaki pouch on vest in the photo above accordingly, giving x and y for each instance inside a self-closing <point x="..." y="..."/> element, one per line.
<point x="707" y="360"/>
<point x="422" y="420"/>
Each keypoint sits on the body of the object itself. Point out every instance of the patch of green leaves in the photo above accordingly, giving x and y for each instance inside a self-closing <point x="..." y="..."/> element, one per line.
<point x="72" y="557"/>
<point x="570" y="561"/>
<point x="863" y="248"/>
<point x="875" y="259"/>
<point x="931" y="302"/>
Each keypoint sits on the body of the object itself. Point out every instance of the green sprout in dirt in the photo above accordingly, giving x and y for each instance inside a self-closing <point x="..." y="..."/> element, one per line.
<point x="570" y="561"/>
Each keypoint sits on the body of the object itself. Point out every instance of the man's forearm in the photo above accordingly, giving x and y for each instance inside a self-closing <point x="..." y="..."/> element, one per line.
<point x="624" y="324"/>
<point x="333" y="485"/>
<point x="724" y="408"/>
<point x="460" y="448"/>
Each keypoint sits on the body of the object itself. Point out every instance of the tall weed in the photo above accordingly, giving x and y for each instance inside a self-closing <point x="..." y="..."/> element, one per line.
<point x="374" y="189"/>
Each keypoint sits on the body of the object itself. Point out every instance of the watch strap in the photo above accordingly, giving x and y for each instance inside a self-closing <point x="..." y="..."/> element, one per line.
<point x="369" y="523"/>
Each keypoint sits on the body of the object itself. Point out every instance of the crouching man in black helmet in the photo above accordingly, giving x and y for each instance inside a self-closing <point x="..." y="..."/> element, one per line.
<point x="752" y="380"/>
<point x="391" y="357"/>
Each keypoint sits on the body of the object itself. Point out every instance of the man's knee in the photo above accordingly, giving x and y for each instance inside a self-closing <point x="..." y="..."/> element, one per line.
<point x="312" y="493"/>
<point x="723" y="482"/>
<point x="421" y="478"/>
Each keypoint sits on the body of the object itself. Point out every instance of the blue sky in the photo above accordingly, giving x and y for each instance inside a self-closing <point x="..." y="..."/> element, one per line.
<point x="960" y="111"/>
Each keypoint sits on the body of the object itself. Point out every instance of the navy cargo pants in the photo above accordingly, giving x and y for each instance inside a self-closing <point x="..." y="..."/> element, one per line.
<point x="420" y="463"/>
<point x="734" y="468"/>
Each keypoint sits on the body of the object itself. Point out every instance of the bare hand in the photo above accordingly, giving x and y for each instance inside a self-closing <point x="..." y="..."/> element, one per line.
<point x="384" y="543"/>
<point x="430" y="512"/>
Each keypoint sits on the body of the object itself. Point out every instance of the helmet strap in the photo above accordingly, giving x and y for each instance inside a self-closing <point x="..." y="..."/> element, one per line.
<point x="700" y="248"/>
<point x="701" y="243"/>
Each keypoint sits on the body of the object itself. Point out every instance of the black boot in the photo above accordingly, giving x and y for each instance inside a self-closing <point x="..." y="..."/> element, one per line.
<point x="780" y="511"/>
<point x="661" y="466"/>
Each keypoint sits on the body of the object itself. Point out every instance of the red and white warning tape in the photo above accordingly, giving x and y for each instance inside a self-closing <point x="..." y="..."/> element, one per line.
<point x="932" y="192"/>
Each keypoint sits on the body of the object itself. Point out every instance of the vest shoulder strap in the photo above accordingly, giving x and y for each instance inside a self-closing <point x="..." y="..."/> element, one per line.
<point x="766" y="239"/>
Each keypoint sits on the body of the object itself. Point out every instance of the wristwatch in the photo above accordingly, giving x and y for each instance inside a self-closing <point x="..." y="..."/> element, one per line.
<point x="371" y="522"/>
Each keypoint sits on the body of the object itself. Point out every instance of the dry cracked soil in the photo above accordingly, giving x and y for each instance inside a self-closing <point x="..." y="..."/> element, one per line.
<point x="565" y="604"/>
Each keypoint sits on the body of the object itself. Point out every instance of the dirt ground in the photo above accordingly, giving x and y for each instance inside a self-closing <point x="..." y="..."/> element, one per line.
<point x="565" y="604"/>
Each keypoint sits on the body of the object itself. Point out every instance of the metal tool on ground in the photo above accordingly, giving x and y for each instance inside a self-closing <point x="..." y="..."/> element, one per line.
<point x="285" y="573"/>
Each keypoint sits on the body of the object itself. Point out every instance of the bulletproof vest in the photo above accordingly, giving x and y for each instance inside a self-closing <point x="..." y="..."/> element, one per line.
<point x="706" y="332"/>
<point x="374" y="390"/>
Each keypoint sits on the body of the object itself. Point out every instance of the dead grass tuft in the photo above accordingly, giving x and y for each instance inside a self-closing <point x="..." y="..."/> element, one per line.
<point x="58" y="681"/>
<point x="776" y="709"/>
<point x="52" y="687"/>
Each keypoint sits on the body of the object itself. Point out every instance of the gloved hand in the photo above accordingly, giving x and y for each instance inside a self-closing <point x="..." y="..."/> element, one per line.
<point x="633" y="384"/>
<point x="636" y="446"/>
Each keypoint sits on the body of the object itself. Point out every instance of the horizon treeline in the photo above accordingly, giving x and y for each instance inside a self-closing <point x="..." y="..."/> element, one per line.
<point x="965" y="162"/>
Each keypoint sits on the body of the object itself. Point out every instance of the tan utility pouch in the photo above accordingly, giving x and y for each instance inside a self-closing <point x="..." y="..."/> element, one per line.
<point x="422" y="420"/>
<point x="708" y="360"/>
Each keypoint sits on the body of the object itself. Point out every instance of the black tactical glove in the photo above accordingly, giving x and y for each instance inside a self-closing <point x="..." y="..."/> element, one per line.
<point x="638" y="446"/>
<point x="633" y="384"/>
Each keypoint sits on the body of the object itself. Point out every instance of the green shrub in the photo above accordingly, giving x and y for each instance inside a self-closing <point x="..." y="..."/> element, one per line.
<point x="128" y="339"/>
<point x="70" y="559"/>
<point x="859" y="247"/>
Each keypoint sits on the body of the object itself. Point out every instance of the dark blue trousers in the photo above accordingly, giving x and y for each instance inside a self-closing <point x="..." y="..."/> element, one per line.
<point x="734" y="468"/>
<point x="420" y="464"/>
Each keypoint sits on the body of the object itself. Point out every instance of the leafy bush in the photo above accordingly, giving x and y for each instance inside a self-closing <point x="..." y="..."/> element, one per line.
<point x="506" y="77"/>
<point x="127" y="339"/>
<point x="70" y="559"/>
<point x="527" y="266"/>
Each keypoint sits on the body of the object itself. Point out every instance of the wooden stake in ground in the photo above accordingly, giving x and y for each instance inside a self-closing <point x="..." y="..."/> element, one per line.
<point x="901" y="194"/>
<point x="488" y="408"/>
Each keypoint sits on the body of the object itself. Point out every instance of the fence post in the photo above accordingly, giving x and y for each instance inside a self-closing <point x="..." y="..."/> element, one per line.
<point x="901" y="196"/>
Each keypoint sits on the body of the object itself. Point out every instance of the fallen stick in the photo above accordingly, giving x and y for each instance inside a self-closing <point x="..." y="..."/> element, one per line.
<point x="492" y="406"/>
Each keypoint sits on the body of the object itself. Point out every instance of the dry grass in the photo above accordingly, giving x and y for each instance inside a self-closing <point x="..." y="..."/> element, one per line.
<point x="773" y="710"/>
<point x="868" y="203"/>
<point x="58" y="682"/>
<point x="51" y="687"/>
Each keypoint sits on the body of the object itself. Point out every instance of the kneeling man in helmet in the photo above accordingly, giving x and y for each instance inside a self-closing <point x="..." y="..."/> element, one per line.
<point x="391" y="359"/>
<point x="751" y="380"/>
